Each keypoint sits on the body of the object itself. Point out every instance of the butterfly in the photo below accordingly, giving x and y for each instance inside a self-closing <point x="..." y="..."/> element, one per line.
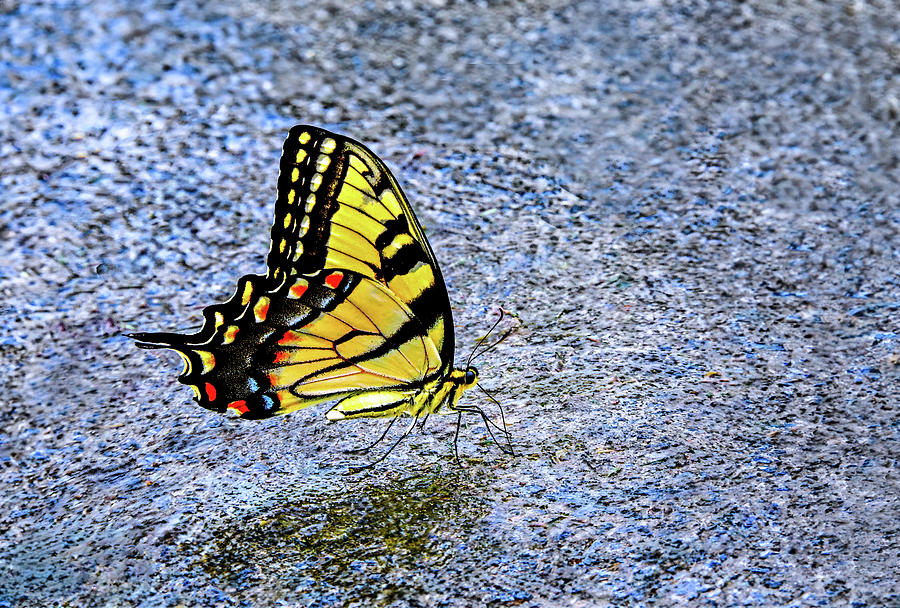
<point x="352" y="309"/>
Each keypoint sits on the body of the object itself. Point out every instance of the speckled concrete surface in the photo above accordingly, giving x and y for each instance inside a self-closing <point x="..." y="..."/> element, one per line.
<point x="692" y="207"/>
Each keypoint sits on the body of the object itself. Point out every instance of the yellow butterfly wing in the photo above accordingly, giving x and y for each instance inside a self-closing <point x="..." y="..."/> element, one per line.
<point x="340" y="207"/>
<point x="353" y="305"/>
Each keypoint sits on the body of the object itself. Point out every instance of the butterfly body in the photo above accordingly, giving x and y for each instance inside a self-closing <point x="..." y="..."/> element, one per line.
<point x="430" y="399"/>
<point x="352" y="308"/>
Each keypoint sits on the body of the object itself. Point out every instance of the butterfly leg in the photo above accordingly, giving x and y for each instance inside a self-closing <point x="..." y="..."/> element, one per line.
<point x="354" y="470"/>
<point x="473" y="409"/>
<point x="505" y="429"/>
<point x="456" y="438"/>
<point x="365" y="449"/>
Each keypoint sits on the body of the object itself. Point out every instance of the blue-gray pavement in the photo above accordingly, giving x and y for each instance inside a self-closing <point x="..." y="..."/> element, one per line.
<point x="691" y="208"/>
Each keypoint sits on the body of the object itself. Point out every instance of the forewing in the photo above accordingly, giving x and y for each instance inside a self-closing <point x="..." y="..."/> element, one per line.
<point x="339" y="207"/>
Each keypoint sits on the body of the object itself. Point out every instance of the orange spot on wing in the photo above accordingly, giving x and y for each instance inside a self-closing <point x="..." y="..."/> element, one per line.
<point x="261" y="309"/>
<point x="275" y="378"/>
<point x="231" y="333"/>
<point x="210" y="391"/>
<point x="289" y="337"/>
<point x="239" y="406"/>
<point x="298" y="289"/>
<point x="334" y="279"/>
<point x="281" y="356"/>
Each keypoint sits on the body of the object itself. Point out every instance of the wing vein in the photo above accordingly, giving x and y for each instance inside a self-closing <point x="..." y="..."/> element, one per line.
<point x="367" y="195"/>
<point x="350" y="255"/>
<point x="387" y="338"/>
<point x="364" y="237"/>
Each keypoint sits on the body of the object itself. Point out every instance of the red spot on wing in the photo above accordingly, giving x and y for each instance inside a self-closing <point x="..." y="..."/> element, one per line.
<point x="262" y="310"/>
<point x="210" y="391"/>
<point x="289" y="337"/>
<point x="334" y="279"/>
<point x="281" y="356"/>
<point x="298" y="289"/>
<point x="239" y="406"/>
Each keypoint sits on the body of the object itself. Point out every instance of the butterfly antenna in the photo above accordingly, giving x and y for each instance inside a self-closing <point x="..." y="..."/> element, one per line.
<point x="502" y="420"/>
<point x="354" y="470"/>
<point x="501" y="339"/>
<point x="365" y="449"/>
<point x="482" y="339"/>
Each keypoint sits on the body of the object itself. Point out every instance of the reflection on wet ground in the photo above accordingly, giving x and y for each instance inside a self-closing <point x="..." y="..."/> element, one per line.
<point x="358" y="540"/>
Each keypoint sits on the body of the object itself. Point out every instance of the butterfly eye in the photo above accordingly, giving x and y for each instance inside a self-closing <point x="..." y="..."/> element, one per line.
<point x="471" y="375"/>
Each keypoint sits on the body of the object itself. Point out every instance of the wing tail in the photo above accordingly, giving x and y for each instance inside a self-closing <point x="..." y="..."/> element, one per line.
<point x="150" y="340"/>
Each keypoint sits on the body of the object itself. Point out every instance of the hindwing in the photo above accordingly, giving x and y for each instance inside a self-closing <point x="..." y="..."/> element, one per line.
<point x="317" y="338"/>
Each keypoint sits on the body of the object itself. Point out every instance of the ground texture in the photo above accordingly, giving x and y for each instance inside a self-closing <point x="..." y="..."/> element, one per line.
<point x="692" y="208"/>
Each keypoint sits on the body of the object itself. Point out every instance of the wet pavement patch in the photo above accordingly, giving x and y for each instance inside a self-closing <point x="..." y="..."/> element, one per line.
<point x="363" y="540"/>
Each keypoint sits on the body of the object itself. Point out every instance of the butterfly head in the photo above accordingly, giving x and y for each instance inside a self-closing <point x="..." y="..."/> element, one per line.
<point x="462" y="379"/>
<point x="455" y="384"/>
